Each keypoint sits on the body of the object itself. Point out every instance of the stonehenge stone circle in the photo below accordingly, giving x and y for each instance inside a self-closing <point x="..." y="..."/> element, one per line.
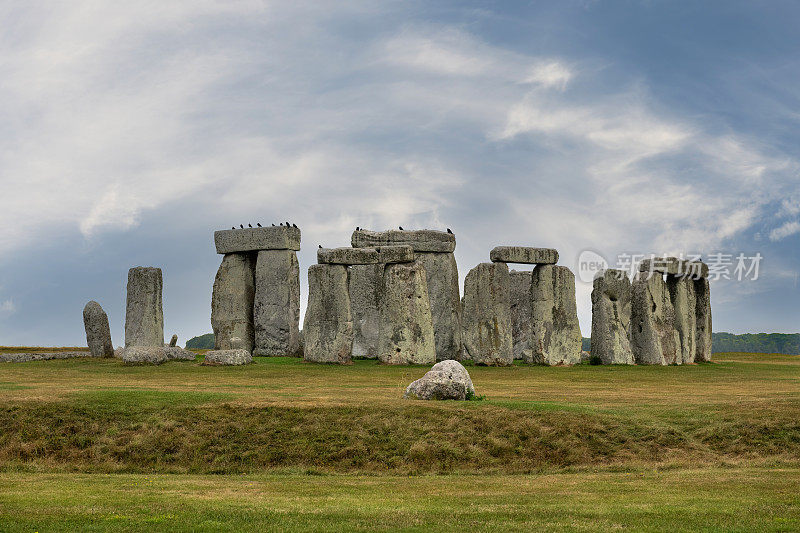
<point x="255" y="239"/>
<point x="611" y="318"/>
<point x="144" y="318"/>
<point x="702" y="292"/>
<point x="328" y="324"/>
<point x="487" y="315"/>
<point x="405" y="334"/>
<point x="446" y="380"/>
<point x="98" y="333"/>
<point x="173" y="342"/>
<point x="520" y="295"/>
<point x="555" y="334"/>
<point x="524" y="255"/>
<point x="232" y="302"/>
<point x="276" y="305"/>
<point x="365" y="285"/>
<point x="228" y="357"/>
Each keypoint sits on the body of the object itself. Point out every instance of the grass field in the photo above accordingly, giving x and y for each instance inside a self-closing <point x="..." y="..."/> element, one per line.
<point x="93" y="445"/>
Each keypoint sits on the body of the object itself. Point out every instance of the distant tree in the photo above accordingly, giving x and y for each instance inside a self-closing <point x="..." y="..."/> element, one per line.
<point x="203" y="342"/>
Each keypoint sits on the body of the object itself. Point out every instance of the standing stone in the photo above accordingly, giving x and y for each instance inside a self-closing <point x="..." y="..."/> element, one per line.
<point x="555" y="333"/>
<point x="520" y="287"/>
<point x="702" y="290"/>
<point x="406" y="326"/>
<point x="682" y="296"/>
<point x="173" y="342"/>
<point x="611" y="318"/>
<point x="276" y="310"/>
<point x="654" y="340"/>
<point x="365" y="288"/>
<point x="487" y="315"/>
<point x="328" y="325"/>
<point x="232" y="303"/>
<point x="441" y="274"/>
<point x="144" y="317"/>
<point x="98" y="334"/>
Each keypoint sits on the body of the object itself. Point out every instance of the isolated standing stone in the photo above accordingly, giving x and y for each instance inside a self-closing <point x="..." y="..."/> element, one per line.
<point x="487" y="315"/>
<point x="406" y="326"/>
<point x="441" y="275"/>
<point x="276" y="307"/>
<point x="555" y="333"/>
<point x="447" y="380"/>
<point x="173" y="341"/>
<point x="232" y="302"/>
<point x="98" y="334"/>
<point x="681" y="291"/>
<point x="520" y="295"/>
<point x="365" y="284"/>
<point x="611" y="318"/>
<point x="144" y="317"/>
<point x="702" y="290"/>
<point x="328" y="325"/>
<point x="654" y="340"/>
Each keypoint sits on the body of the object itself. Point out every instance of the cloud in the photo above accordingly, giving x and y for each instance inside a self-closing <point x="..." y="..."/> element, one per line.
<point x="7" y="308"/>
<point x="787" y="229"/>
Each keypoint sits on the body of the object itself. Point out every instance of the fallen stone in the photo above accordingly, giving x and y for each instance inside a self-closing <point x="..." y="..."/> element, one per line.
<point x="98" y="334"/>
<point x="24" y="357"/>
<point x="611" y="318"/>
<point x="447" y="380"/>
<point x="425" y="240"/>
<point x="406" y="326"/>
<point x="520" y="295"/>
<point x="173" y="342"/>
<point x="230" y="241"/>
<point x="441" y="275"/>
<point x="276" y="305"/>
<point x="702" y="290"/>
<point x="328" y="325"/>
<point x="675" y="267"/>
<point x="487" y="315"/>
<point x="654" y="340"/>
<point x="228" y="357"/>
<point x="682" y="296"/>
<point x="144" y="317"/>
<point x="555" y="333"/>
<point x="364" y="286"/>
<point x="176" y="353"/>
<point x="524" y="255"/>
<point x="232" y="302"/>
<point x="154" y="355"/>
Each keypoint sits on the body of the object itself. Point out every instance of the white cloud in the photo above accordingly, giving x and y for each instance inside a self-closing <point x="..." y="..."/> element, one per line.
<point x="7" y="308"/>
<point x="787" y="229"/>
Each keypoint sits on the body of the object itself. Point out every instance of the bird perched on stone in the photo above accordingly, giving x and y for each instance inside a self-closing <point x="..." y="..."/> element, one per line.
<point x="258" y="224"/>
<point x="281" y="224"/>
<point x="294" y="225"/>
<point x="249" y="225"/>
<point x="233" y="227"/>
<point x="400" y="228"/>
<point x="448" y="231"/>
<point x="241" y="226"/>
<point x="319" y="245"/>
<point x="273" y="224"/>
<point x="357" y="228"/>
<point x="287" y="224"/>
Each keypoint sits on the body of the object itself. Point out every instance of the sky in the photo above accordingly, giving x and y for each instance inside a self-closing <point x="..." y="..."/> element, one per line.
<point x="129" y="132"/>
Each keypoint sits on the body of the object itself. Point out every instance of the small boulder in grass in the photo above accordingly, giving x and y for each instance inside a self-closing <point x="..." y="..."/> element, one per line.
<point x="228" y="357"/>
<point x="446" y="380"/>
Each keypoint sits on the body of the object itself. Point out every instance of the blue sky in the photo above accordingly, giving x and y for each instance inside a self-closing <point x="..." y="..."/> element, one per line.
<point x="129" y="133"/>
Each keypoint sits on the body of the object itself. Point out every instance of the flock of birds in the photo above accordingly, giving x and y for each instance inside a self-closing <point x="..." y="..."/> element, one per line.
<point x="294" y="226"/>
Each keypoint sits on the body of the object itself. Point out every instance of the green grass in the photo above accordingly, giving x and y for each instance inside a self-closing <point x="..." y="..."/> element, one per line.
<point x="92" y="444"/>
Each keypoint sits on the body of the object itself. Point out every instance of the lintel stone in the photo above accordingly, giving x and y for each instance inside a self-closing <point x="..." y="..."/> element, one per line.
<point x="424" y="240"/>
<point x="524" y="255"/>
<point x="254" y="239"/>
<point x="365" y="256"/>
<point x="675" y="267"/>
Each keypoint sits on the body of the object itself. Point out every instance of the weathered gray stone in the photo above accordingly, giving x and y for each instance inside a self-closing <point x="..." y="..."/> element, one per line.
<point x="24" y="357"/>
<point x="425" y="240"/>
<point x="487" y="315"/>
<point x="230" y="241"/>
<point x="98" y="334"/>
<point x="681" y="292"/>
<point x="276" y="306"/>
<point x="611" y="318"/>
<point x="654" y="340"/>
<point x="154" y="355"/>
<point x="555" y="334"/>
<point x="702" y="290"/>
<point x="524" y="255"/>
<point x="585" y="357"/>
<point x="441" y="275"/>
<point x="232" y="302"/>
<point x="328" y="325"/>
<point x="228" y="357"/>
<point x="402" y="253"/>
<point x="406" y="326"/>
<point x="520" y="295"/>
<point x="675" y="267"/>
<point x="144" y="317"/>
<point x="447" y="380"/>
<point x="347" y="256"/>
<point x="173" y="342"/>
<point x="176" y="353"/>
<point x="365" y="285"/>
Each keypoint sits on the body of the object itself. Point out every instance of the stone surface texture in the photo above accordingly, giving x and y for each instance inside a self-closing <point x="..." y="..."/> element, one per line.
<point x="232" y="302"/>
<point x="154" y="355"/>
<point x="24" y="357"/>
<point x="520" y="295"/>
<point x="144" y="317"/>
<point x="98" y="333"/>
<point x="425" y="240"/>
<point x="611" y="318"/>
<point x="276" y="305"/>
<point x="173" y="342"/>
<point x="406" y="325"/>
<point x="681" y="292"/>
<point x="524" y="255"/>
<point x="654" y="340"/>
<point x="328" y="324"/>
<point x="365" y="285"/>
<point x="675" y="267"/>
<point x="441" y="275"/>
<point x="555" y="334"/>
<point x="255" y="239"/>
<point x="702" y="291"/>
<point x="487" y="315"/>
<point x="228" y="357"/>
<point x="447" y="380"/>
<point x="347" y="256"/>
